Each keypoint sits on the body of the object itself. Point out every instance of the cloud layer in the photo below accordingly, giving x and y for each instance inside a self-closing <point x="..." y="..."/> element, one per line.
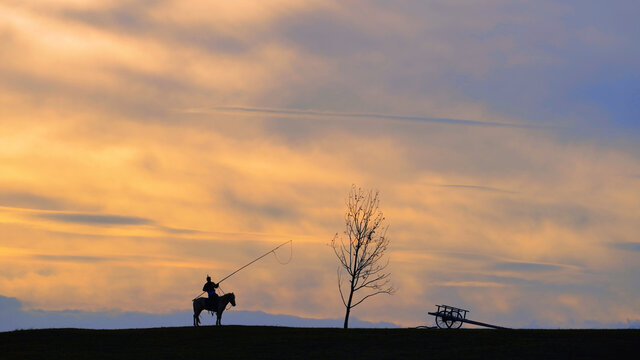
<point x="143" y="146"/>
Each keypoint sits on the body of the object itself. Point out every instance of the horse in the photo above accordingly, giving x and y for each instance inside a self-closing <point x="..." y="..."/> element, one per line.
<point x="200" y="304"/>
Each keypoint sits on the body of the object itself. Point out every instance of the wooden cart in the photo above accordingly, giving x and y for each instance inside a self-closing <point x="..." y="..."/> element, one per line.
<point x="450" y="317"/>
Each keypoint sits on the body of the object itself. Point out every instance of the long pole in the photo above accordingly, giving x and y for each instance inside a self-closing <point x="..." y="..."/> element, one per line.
<point x="265" y="254"/>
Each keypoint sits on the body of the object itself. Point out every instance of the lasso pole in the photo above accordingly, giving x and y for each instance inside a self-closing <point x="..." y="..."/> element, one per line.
<point x="267" y="253"/>
<point x="233" y="273"/>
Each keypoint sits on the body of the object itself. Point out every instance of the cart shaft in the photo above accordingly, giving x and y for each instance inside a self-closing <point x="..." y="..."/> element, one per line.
<point x="449" y="317"/>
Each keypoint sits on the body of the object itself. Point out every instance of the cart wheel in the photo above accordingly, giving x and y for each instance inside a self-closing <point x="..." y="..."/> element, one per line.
<point x="455" y="320"/>
<point x="440" y="322"/>
<point x="449" y="319"/>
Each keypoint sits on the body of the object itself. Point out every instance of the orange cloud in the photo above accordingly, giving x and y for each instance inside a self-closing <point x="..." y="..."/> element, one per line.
<point x="116" y="197"/>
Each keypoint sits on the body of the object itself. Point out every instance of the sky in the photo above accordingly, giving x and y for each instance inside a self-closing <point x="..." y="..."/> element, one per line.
<point x="146" y="144"/>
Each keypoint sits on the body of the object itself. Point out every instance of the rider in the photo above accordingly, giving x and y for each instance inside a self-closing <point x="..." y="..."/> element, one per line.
<point x="210" y="288"/>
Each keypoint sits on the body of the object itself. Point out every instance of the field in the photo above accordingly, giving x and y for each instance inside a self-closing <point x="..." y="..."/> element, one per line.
<point x="255" y="342"/>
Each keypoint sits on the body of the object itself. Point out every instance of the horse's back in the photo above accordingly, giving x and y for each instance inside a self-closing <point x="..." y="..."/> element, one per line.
<point x="198" y="304"/>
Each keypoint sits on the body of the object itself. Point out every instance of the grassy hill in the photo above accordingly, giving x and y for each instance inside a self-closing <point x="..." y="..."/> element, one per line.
<point x="253" y="342"/>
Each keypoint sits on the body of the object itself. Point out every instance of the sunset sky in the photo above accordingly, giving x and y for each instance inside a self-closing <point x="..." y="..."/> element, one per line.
<point x="146" y="144"/>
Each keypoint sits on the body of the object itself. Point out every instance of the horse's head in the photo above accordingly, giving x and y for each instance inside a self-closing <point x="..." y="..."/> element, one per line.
<point x="232" y="300"/>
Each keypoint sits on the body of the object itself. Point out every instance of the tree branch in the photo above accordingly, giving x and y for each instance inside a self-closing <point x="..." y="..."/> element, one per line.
<point x="361" y="248"/>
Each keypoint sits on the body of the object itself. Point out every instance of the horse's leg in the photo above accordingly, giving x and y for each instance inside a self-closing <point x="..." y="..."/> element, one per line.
<point x="196" y="319"/>
<point x="219" y="313"/>
<point x="196" y="313"/>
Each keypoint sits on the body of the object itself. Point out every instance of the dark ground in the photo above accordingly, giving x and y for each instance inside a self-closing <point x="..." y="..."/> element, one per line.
<point x="256" y="342"/>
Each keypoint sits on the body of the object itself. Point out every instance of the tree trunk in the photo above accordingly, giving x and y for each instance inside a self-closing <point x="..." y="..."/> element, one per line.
<point x="346" y="319"/>
<point x="346" y="315"/>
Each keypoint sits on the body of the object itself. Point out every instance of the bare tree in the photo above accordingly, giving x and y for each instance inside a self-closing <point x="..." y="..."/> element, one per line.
<point x="360" y="251"/>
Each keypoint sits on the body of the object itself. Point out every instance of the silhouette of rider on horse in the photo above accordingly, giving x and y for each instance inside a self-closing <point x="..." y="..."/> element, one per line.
<point x="210" y="288"/>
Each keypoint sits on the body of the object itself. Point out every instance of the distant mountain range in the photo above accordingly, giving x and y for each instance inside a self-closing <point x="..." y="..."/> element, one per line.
<point x="13" y="317"/>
